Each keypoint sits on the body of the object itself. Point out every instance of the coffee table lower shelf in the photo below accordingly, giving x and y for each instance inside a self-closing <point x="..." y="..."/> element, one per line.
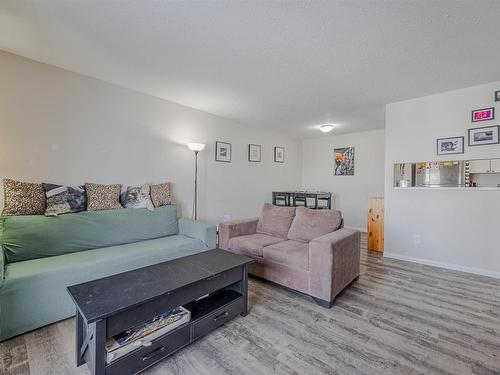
<point x="206" y="315"/>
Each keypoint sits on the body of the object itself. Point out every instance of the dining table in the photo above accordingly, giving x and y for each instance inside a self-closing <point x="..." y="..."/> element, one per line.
<point x="310" y="199"/>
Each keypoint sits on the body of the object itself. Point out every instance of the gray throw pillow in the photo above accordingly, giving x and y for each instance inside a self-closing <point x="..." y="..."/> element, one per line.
<point x="62" y="199"/>
<point x="136" y="197"/>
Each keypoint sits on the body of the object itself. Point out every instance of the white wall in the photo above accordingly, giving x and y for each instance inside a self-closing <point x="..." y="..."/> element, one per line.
<point x="458" y="229"/>
<point x="351" y="192"/>
<point x="61" y="127"/>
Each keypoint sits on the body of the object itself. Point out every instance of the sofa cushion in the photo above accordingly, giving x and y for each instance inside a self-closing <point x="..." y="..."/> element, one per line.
<point x="252" y="244"/>
<point x="275" y="221"/>
<point x="309" y="224"/>
<point x="31" y="237"/>
<point x="34" y="292"/>
<point x="290" y="253"/>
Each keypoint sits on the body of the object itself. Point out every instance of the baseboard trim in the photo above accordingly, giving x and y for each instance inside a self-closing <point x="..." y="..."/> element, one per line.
<point x="360" y="229"/>
<point x="448" y="266"/>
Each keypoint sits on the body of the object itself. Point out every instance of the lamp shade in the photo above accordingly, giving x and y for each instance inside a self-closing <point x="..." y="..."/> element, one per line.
<point x="196" y="146"/>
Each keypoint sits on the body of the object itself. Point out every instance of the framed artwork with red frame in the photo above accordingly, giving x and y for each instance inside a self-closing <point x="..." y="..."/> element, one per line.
<point x="483" y="114"/>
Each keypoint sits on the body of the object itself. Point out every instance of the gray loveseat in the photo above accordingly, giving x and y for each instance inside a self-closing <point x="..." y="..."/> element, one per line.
<point x="306" y="250"/>
<point x="41" y="256"/>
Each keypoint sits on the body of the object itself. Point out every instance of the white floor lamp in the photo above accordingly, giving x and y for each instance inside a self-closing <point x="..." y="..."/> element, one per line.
<point x="196" y="147"/>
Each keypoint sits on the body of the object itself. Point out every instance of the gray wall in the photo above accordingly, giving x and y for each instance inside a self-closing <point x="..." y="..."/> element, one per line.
<point x="446" y="227"/>
<point x="351" y="192"/>
<point x="61" y="127"/>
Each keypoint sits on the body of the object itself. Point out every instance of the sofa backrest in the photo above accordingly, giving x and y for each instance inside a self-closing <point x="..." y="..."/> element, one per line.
<point x="275" y="220"/>
<point x="38" y="236"/>
<point x="309" y="224"/>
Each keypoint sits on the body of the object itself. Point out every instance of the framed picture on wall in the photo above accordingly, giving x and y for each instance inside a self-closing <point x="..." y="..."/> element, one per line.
<point x="487" y="135"/>
<point x="344" y="161"/>
<point x="484" y="114"/>
<point x="279" y="154"/>
<point x="223" y="151"/>
<point x="452" y="145"/>
<point x="254" y="153"/>
<point x="497" y="96"/>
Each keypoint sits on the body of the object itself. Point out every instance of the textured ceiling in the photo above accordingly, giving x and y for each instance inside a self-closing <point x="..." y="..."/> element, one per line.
<point x="285" y="65"/>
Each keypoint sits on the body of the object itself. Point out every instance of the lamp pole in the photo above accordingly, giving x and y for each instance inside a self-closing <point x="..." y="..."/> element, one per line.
<point x="196" y="185"/>
<point x="196" y="148"/>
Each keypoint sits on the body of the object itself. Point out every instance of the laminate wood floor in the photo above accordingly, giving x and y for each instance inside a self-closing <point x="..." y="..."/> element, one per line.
<point x="399" y="318"/>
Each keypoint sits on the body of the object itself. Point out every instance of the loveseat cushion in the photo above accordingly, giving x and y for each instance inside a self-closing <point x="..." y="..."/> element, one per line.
<point x="290" y="253"/>
<point x="309" y="224"/>
<point x="31" y="237"/>
<point x="252" y="244"/>
<point x="275" y="221"/>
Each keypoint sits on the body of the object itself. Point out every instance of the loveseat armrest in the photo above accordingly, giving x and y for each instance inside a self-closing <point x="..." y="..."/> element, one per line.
<point x="333" y="263"/>
<point x="236" y="228"/>
<point x="206" y="233"/>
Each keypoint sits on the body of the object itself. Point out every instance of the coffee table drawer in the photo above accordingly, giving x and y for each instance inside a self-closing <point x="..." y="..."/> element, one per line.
<point x="161" y="347"/>
<point x="217" y="318"/>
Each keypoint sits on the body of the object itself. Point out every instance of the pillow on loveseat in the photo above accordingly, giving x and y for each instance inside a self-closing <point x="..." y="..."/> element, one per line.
<point x="275" y="221"/>
<point x="309" y="224"/>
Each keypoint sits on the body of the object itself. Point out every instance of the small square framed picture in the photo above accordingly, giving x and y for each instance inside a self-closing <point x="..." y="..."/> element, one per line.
<point x="484" y="114"/>
<point x="223" y="151"/>
<point x="497" y="96"/>
<point x="486" y="135"/>
<point x="254" y="153"/>
<point x="452" y="145"/>
<point x="279" y="154"/>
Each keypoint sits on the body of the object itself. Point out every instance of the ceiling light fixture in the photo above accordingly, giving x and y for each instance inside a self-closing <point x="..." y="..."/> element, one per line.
<point x="326" y="128"/>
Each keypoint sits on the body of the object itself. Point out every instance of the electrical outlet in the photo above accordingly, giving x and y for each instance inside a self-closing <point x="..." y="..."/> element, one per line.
<point x="417" y="239"/>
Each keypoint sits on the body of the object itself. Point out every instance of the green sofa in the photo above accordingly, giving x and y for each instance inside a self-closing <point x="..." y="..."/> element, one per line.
<point x="41" y="256"/>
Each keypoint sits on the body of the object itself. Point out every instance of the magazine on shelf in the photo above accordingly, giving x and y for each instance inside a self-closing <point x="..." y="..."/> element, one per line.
<point x="142" y="334"/>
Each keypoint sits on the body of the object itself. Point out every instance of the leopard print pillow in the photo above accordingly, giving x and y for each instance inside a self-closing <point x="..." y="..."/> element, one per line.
<point x="160" y="195"/>
<point x="103" y="197"/>
<point x="23" y="198"/>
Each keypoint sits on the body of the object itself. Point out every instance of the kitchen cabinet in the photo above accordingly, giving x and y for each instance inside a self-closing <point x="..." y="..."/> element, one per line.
<point x="495" y="166"/>
<point x="484" y="166"/>
<point x="479" y="166"/>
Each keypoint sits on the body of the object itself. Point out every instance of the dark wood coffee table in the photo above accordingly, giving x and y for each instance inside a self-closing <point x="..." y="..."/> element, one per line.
<point x="108" y="306"/>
